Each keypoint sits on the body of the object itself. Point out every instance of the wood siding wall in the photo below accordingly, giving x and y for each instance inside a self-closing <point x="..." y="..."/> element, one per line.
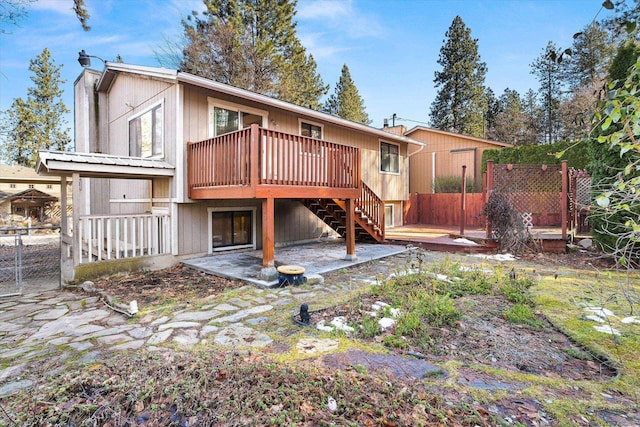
<point x="130" y="96"/>
<point x="294" y="223"/>
<point x="451" y="152"/>
<point x="444" y="209"/>
<point x="386" y="186"/>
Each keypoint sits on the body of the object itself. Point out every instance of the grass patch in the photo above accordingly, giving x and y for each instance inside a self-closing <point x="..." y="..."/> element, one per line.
<point x="522" y="314"/>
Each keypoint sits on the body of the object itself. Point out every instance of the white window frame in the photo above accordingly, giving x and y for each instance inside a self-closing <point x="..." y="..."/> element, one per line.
<point x="252" y="245"/>
<point x="380" y="159"/>
<point x="312" y="123"/>
<point x="142" y="113"/>
<point x="390" y="224"/>
<point x="213" y="102"/>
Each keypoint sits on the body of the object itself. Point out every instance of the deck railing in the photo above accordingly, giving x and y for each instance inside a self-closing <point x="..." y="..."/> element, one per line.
<point x="257" y="156"/>
<point x="371" y="206"/>
<point x="106" y="237"/>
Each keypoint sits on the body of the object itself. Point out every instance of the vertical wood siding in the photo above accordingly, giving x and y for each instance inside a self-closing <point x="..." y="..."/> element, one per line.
<point x="387" y="186"/>
<point x="293" y="223"/>
<point x="448" y="158"/>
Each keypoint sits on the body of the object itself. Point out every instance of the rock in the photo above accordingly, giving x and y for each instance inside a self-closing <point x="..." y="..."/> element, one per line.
<point x="586" y="243"/>
<point x="89" y="287"/>
<point x="386" y="323"/>
<point x="237" y="335"/>
<point x="314" y="279"/>
<point x="159" y="337"/>
<point x="197" y="316"/>
<point x="178" y="325"/>
<point x="316" y="345"/>
<point x="606" y="329"/>
<point x="14" y="387"/>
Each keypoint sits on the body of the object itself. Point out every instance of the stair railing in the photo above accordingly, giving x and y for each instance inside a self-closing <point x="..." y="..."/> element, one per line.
<point x="371" y="206"/>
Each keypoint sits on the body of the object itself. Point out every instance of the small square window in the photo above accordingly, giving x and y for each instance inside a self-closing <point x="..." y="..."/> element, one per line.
<point x="31" y="186"/>
<point x="312" y="131"/>
<point x="49" y="186"/>
<point x="12" y="186"/>
<point x="389" y="158"/>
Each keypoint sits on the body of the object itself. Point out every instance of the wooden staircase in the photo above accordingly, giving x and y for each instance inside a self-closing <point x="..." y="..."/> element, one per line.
<point x="369" y="214"/>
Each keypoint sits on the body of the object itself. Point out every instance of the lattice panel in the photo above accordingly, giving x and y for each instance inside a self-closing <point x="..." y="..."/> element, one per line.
<point x="530" y="188"/>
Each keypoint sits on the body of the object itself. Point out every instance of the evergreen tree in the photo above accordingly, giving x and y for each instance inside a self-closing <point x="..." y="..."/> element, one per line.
<point x="510" y="121"/>
<point x="38" y="122"/>
<point x="591" y="54"/>
<point x="491" y="115"/>
<point x="346" y="102"/>
<point x="252" y="44"/>
<point x="532" y="118"/>
<point x="549" y="74"/>
<point x="460" y="103"/>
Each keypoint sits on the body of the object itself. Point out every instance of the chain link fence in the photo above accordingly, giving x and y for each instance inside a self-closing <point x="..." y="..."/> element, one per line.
<point x="29" y="260"/>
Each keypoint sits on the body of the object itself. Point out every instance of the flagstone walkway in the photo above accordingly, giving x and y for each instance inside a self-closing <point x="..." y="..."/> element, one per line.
<point x="77" y="325"/>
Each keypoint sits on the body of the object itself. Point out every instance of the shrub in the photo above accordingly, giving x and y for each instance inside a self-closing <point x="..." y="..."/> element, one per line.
<point x="452" y="184"/>
<point x="523" y="314"/>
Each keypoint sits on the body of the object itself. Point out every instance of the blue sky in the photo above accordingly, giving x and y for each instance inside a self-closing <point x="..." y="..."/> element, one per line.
<point x="391" y="47"/>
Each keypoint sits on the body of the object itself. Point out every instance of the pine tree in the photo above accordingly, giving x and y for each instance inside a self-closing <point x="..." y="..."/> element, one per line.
<point x="591" y="54"/>
<point x="532" y="118"/>
<point x="38" y="122"/>
<point x="252" y="44"/>
<point x="510" y="122"/>
<point x="461" y="103"/>
<point x="549" y="74"/>
<point x="346" y="102"/>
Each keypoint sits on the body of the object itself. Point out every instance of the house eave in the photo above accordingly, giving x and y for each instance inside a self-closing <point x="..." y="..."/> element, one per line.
<point x="459" y="135"/>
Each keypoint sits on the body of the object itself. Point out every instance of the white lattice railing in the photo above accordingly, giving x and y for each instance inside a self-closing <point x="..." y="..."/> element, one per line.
<point x="106" y="237"/>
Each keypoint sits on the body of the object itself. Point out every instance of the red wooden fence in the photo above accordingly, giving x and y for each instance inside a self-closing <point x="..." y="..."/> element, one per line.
<point x="444" y="209"/>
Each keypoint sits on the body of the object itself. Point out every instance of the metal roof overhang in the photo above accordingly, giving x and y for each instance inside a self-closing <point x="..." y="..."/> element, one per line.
<point x="94" y="165"/>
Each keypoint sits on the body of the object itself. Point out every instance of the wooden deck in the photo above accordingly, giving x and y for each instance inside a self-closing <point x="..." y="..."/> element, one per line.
<point x="263" y="163"/>
<point x="449" y="239"/>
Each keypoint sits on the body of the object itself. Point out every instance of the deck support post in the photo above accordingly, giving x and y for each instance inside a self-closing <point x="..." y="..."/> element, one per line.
<point x="350" y="236"/>
<point x="268" y="271"/>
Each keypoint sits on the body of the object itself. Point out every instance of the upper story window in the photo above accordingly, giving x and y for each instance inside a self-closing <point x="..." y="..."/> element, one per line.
<point x="49" y="186"/>
<point x="389" y="158"/>
<point x="145" y="133"/>
<point x="31" y="186"/>
<point x="225" y="117"/>
<point x="12" y="186"/>
<point x="311" y="130"/>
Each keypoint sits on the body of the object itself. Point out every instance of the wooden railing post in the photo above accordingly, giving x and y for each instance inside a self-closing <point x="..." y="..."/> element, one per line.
<point x="563" y="198"/>
<point x="463" y="197"/>
<point x="489" y="190"/>
<point x="254" y="156"/>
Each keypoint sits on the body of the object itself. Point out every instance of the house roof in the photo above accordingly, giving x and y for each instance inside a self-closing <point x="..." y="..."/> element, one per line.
<point x="458" y="135"/>
<point x="23" y="174"/>
<point x="113" y="68"/>
<point x="29" y="195"/>
<point x="95" y="165"/>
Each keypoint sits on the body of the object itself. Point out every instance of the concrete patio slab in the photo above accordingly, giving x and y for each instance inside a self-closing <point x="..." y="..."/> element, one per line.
<point x="316" y="258"/>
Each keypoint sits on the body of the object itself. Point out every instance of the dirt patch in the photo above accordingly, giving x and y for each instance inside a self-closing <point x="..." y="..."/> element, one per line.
<point x="177" y="284"/>
<point x="482" y="336"/>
